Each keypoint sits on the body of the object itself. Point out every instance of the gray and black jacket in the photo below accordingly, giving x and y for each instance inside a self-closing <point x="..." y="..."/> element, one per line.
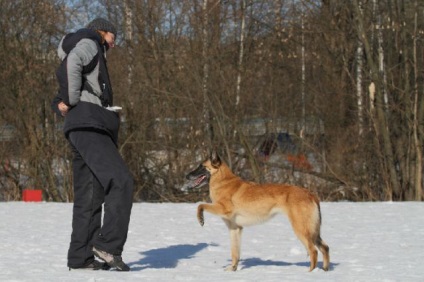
<point x="84" y="84"/>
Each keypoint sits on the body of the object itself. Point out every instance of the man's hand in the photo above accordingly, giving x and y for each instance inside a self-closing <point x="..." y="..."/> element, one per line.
<point x="63" y="108"/>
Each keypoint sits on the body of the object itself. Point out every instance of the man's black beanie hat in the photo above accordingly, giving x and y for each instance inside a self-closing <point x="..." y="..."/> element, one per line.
<point x="102" y="24"/>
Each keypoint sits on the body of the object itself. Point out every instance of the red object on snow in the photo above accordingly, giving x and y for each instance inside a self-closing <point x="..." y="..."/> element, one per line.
<point x="32" y="195"/>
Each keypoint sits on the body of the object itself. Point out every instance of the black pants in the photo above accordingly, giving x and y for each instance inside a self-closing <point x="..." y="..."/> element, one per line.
<point x="100" y="176"/>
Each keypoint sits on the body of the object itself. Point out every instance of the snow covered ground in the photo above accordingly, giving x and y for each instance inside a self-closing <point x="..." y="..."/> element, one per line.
<point x="368" y="242"/>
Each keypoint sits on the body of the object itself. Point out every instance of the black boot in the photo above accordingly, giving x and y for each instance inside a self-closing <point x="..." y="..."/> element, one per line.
<point x="111" y="260"/>
<point x="95" y="265"/>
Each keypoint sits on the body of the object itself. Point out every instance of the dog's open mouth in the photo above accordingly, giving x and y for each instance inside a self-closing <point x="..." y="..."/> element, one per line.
<point x="197" y="177"/>
<point x="194" y="182"/>
<point x="198" y="181"/>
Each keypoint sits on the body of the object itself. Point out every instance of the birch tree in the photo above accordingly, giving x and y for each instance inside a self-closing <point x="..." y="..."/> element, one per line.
<point x="381" y="122"/>
<point x="418" y="101"/>
<point x="241" y="52"/>
<point x="359" y="84"/>
<point x="205" y="76"/>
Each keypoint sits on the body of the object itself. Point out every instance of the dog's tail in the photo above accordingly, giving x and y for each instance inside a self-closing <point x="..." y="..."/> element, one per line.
<point x="319" y="212"/>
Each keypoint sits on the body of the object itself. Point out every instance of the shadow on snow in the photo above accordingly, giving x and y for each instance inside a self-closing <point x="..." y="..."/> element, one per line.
<point x="167" y="257"/>
<point x="253" y="262"/>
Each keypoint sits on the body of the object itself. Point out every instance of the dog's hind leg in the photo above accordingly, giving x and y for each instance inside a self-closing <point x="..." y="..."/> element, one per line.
<point x="235" y="236"/>
<point x="306" y="234"/>
<point x="312" y="251"/>
<point x="325" y="250"/>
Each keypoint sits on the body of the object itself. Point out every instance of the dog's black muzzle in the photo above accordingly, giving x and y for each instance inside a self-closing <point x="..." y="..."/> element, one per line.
<point x="198" y="177"/>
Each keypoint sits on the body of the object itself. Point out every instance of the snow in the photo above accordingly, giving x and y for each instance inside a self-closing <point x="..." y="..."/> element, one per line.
<point x="368" y="242"/>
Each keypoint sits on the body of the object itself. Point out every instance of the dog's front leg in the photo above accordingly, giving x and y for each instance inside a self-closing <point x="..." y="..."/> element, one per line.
<point x="212" y="208"/>
<point x="200" y="216"/>
<point x="235" y="236"/>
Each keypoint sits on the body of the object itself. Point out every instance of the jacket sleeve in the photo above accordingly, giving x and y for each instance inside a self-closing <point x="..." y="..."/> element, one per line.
<point x="55" y="104"/>
<point x="80" y="56"/>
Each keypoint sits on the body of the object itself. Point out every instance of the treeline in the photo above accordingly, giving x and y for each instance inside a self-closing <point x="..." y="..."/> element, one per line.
<point x="325" y="94"/>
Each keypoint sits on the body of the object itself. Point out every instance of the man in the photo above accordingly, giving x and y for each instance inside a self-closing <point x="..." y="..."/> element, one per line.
<point x="91" y="126"/>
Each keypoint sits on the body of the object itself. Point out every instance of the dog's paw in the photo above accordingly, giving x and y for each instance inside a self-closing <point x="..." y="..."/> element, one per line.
<point x="201" y="219"/>
<point x="231" y="268"/>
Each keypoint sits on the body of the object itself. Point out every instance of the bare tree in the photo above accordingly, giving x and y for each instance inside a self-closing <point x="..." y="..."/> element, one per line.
<point x="246" y="77"/>
<point x="418" y="183"/>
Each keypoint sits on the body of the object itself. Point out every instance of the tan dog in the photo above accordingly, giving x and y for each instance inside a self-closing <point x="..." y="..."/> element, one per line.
<point x="240" y="203"/>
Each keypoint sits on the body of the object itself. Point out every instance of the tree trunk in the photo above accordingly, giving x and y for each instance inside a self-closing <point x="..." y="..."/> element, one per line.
<point x="205" y="78"/>
<point x="417" y="144"/>
<point x="381" y="117"/>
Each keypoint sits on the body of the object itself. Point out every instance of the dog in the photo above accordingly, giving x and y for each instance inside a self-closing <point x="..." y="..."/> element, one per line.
<point x="240" y="203"/>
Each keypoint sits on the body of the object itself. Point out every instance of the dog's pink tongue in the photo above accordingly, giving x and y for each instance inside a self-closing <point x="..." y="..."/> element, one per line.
<point x="199" y="180"/>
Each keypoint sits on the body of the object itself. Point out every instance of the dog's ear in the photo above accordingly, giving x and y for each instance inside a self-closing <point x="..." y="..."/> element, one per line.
<point x="215" y="160"/>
